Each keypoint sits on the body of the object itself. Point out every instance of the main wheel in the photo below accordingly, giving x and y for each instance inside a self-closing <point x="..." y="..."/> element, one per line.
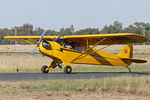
<point x="43" y="69"/>
<point x="68" y="70"/>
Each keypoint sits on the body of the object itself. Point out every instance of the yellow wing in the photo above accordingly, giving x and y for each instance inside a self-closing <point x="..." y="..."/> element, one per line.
<point x="29" y="39"/>
<point x="119" y="38"/>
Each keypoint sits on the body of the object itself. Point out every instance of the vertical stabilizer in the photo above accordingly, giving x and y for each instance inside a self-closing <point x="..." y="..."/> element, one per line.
<point x="127" y="51"/>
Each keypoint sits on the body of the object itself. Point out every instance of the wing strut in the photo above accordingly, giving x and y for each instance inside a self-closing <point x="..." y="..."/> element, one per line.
<point x="89" y="49"/>
<point x="29" y="42"/>
<point x="100" y="49"/>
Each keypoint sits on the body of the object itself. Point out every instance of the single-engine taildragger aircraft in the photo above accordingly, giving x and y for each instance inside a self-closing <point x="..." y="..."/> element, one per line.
<point x="81" y="49"/>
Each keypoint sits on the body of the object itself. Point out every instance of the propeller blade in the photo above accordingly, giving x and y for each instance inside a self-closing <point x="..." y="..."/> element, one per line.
<point x="33" y="50"/>
<point x="41" y="38"/>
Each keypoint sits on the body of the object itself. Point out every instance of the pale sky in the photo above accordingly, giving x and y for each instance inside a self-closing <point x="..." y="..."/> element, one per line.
<point x="56" y="14"/>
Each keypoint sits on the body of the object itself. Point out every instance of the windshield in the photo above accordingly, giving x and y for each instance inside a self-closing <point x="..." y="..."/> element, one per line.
<point x="69" y="44"/>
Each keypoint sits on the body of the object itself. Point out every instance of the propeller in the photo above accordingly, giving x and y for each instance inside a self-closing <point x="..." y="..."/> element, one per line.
<point x="39" y="41"/>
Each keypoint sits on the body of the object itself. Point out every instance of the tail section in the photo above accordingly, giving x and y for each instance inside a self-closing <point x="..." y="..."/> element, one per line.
<point x="126" y="52"/>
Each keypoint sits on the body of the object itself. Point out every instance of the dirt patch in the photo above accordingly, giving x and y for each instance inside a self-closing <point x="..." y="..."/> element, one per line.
<point x="74" y="96"/>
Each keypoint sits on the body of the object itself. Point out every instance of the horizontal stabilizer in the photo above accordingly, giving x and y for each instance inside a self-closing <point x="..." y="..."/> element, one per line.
<point x="134" y="60"/>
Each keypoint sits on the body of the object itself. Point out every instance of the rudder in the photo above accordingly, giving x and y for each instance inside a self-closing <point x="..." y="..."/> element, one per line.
<point x="127" y="51"/>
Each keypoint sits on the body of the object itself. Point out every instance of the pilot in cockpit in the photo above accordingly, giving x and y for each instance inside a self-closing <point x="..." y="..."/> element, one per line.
<point x="70" y="45"/>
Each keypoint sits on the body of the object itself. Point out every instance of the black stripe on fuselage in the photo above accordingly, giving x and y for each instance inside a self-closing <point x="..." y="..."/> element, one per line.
<point x="93" y="55"/>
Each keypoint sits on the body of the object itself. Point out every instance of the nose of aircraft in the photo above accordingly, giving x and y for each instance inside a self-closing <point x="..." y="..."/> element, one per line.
<point x="45" y="48"/>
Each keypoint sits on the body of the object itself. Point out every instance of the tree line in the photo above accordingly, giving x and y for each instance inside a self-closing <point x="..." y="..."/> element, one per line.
<point x="116" y="27"/>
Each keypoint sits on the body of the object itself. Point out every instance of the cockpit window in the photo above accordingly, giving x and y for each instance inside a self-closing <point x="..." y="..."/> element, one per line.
<point x="80" y="48"/>
<point x="69" y="44"/>
<point x="73" y="45"/>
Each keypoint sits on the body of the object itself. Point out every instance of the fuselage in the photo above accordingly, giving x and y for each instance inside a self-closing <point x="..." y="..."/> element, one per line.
<point x="56" y="51"/>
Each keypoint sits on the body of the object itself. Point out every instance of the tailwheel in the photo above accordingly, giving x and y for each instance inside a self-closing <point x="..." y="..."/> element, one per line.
<point x="68" y="70"/>
<point x="44" y="69"/>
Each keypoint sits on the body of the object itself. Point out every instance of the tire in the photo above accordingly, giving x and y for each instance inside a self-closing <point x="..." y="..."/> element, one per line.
<point x="43" y="69"/>
<point x="67" y="70"/>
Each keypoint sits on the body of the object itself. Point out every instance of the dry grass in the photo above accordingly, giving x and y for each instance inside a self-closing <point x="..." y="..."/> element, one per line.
<point x="16" y="48"/>
<point x="137" y="48"/>
<point x="25" y="62"/>
<point x="28" y="63"/>
<point x="108" y="88"/>
<point x="74" y="96"/>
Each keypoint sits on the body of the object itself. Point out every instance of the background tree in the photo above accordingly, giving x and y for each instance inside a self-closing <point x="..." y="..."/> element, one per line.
<point x="72" y="28"/>
<point x="116" y="27"/>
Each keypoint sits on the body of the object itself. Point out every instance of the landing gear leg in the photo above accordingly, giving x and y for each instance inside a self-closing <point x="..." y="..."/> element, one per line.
<point x="128" y="68"/>
<point x="57" y="64"/>
<point x="45" y="69"/>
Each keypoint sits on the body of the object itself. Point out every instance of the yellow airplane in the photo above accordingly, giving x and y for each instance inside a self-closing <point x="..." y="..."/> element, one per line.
<point x="80" y="49"/>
